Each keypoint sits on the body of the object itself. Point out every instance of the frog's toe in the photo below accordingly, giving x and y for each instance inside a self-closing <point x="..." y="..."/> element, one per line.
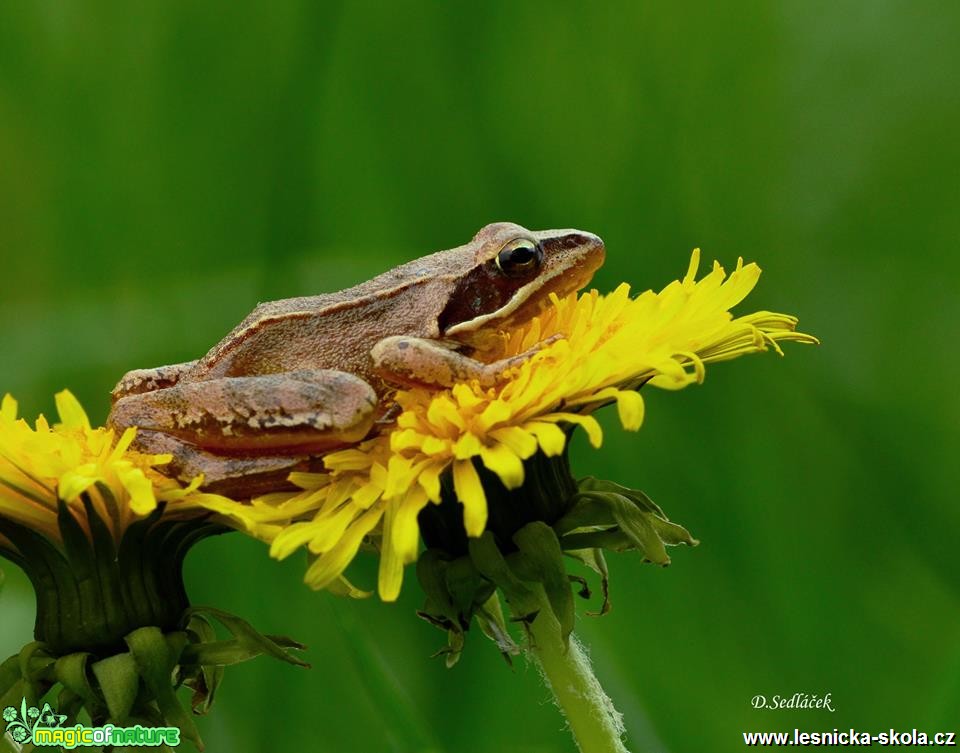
<point x="139" y="381"/>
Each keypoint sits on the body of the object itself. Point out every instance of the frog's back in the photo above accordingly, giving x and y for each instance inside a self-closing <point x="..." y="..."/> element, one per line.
<point x="333" y="330"/>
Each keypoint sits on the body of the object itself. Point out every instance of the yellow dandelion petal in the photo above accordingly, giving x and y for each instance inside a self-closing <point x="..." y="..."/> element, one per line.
<point x="406" y="534"/>
<point x="390" y="573"/>
<point x="466" y="397"/>
<point x="670" y="383"/>
<point x="520" y="441"/>
<point x="140" y="489"/>
<point x="330" y="565"/>
<point x="630" y="409"/>
<point x="406" y="439"/>
<point x="366" y="495"/>
<point x="309" y="480"/>
<point x="444" y="412"/>
<point x="347" y="460"/>
<point x="435" y="445"/>
<point x="8" y="408"/>
<point x="343" y="587"/>
<point x="468" y="446"/>
<point x="401" y="539"/>
<point x="24" y="509"/>
<point x="470" y="492"/>
<point x="739" y="285"/>
<point x="76" y="481"/>
<point x="551" y="438"/>
<point x="339" y="490"/>
<point x="293" y="507"/>
<point x="176" y="493"/>
<point x="401" y="475"/>
<point x="496" y="412"/>
<point x="429" y="480"/>
<point x="589" y="424"/>
<point x="295" y="536"/>
<point x="504" y="462"/>
<point x="692" y="268"/>
<point x="72" y="415"/>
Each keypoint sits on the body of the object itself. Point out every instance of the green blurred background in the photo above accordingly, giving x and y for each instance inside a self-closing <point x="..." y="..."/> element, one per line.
<point x="164" y="166"/>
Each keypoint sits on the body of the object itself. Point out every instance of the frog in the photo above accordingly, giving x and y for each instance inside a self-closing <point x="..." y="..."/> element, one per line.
<point x="301" y="377"/>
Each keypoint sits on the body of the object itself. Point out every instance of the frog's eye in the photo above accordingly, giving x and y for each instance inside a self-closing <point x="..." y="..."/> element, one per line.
<point x="520" y="257"/>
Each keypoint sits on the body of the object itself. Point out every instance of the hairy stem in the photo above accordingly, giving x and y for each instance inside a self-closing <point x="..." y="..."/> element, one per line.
<point x="596" y="725"/>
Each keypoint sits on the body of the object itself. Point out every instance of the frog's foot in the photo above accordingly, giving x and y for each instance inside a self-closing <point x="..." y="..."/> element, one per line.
<point x="298" y="412"/>
<point x="139" y="381"/>
<point x="412" y="362"/>
<point x="238" y="477"/>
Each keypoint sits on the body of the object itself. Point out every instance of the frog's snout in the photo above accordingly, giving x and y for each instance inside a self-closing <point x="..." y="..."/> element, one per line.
<point x="573" y="248"/>
<point x="595" y="251"/>
<point x="571" y="256"/>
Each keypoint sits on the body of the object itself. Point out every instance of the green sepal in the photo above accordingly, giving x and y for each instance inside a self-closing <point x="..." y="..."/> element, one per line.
<point x="454" y="649"/>
<point x="588" y="511"/>
<point x="610" y="516"/>
<point x="220" y="654"/>
<point x="468" y="589"/>
<point x="593" y="558"/>
<point x="73" y="673"/>
<point x="541" y="548"/>
<point x="246" y="644"/>
<point x="204" y="679"/>
<point x="343" y="587"/>
<point x="441" y="609"/>
<point x="52" y="580"/>
<point x="491" y="563"/>
<point x="13" y="694"/>
<point x="612" y="540"/>
<point x="119" y="683"/>
<point x="593" y="484"/>
<point x="79" y="553"/>
<point x="431" y="573"/>
<point x="131" y="562"/>
<point x="584" y="591"/>
<point x="69" y="704"/>
<point x="9" y="674"/>
<point x="637" y="526"/>
<point x="492" y="624"/>
<point x="34" y="665"/>
<point x="156" y="655"/>
<point x="105" y="557"/>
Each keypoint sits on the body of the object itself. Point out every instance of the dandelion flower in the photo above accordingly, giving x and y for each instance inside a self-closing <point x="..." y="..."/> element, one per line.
<point x="602" y="348"/>
<point x="102" y="535"/>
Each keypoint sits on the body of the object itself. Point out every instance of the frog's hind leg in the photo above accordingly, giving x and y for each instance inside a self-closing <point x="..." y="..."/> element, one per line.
<point x="285" y="413"/>
<point x="147" y="380"/>
<point x="236" y="477"/>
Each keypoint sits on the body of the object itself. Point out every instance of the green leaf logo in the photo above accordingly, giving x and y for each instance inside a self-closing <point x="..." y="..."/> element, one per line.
<point x="23" y="721"/>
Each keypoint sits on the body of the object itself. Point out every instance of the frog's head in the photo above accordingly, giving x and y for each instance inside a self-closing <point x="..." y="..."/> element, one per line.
<point x="513" y="273"/>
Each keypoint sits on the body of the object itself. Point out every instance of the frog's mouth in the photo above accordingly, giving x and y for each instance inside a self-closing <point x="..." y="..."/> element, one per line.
<point x="570" y="259"/>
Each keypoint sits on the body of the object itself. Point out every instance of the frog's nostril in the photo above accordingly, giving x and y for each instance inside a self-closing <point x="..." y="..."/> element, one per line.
<point x="591" y="241"/>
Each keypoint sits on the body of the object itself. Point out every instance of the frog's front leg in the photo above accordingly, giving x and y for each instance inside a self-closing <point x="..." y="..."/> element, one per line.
<point x="413" y="361"/>
<point x="290" y="412"/>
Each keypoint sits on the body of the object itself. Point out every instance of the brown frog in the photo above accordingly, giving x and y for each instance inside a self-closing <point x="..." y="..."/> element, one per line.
<point x="302" y="376"/>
